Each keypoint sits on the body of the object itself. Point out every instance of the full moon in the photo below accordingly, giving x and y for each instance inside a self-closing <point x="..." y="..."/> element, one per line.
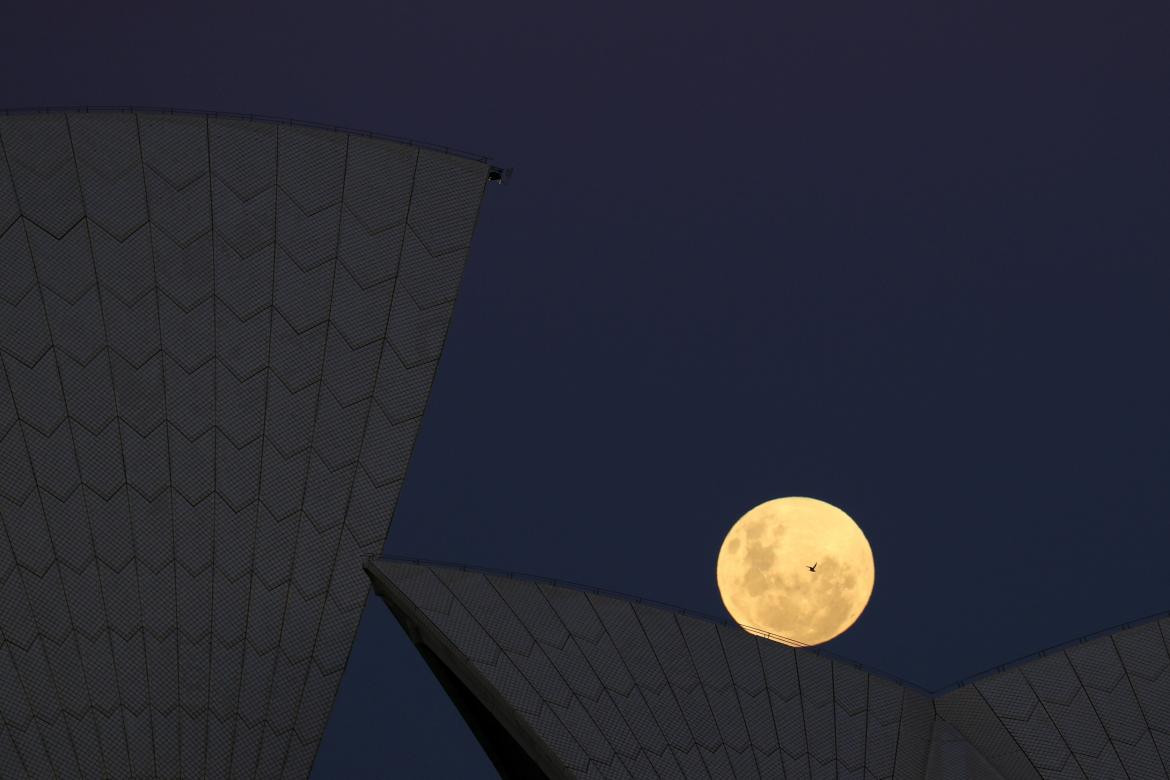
<point x="796" y="570"/>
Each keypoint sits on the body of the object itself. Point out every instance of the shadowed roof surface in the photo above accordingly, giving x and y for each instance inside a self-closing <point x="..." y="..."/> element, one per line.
<point x="596" y="684"/>
<point x="217" y="340"/>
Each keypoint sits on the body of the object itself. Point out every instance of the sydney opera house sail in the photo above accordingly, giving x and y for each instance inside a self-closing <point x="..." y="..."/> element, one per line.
<point x="559" y="681"/>
<point x="607" y="687"/>
<point x="1096" y="708"/>
<point x="217" y="339"/>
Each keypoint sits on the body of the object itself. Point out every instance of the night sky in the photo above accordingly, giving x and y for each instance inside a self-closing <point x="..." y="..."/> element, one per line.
<point x="911" y="261"/>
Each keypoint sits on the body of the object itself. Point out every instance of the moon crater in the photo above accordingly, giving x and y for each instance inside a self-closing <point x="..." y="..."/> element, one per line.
<point x="765" y="578"/>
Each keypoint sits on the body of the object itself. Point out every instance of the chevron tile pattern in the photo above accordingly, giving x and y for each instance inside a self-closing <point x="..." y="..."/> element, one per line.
<point x="617" y="688"/>
<point x="614" y="687"/>
<point x="952" y="757"/>
<point x="217" y="339"/>
<point x="1095" y="709"/>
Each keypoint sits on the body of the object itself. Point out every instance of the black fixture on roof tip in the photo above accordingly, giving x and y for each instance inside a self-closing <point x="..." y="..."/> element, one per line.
<point x="499" y="175"/>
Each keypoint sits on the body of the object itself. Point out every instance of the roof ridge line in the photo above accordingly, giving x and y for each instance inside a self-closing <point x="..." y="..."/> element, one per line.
<point x="653" y="603"/>
<point x="265" y="118"/>
<point x="933" y="694"/>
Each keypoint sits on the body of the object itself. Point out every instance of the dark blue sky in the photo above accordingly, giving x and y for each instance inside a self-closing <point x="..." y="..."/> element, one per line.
<point x="911" y="261"/>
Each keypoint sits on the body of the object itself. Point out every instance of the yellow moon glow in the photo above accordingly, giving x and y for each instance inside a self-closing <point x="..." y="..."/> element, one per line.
<point x="765" y="578"/>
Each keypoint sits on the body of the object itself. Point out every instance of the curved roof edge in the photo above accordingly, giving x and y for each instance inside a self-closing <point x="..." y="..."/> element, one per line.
<point x="653" y="603"/>
<point x="285" y="289"/>
<point x="934" y="693"/>
<point x="501" y="730"/>
<point x="276" y="120"/>
<point x="589" y="684"/>
<point x="1014" y="662"/>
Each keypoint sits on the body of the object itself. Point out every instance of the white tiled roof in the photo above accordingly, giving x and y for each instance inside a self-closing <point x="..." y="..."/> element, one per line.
<point x="217" y="338"/>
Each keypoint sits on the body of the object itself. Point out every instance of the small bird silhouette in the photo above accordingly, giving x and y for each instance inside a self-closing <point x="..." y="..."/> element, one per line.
<point x="812" y="568"/>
